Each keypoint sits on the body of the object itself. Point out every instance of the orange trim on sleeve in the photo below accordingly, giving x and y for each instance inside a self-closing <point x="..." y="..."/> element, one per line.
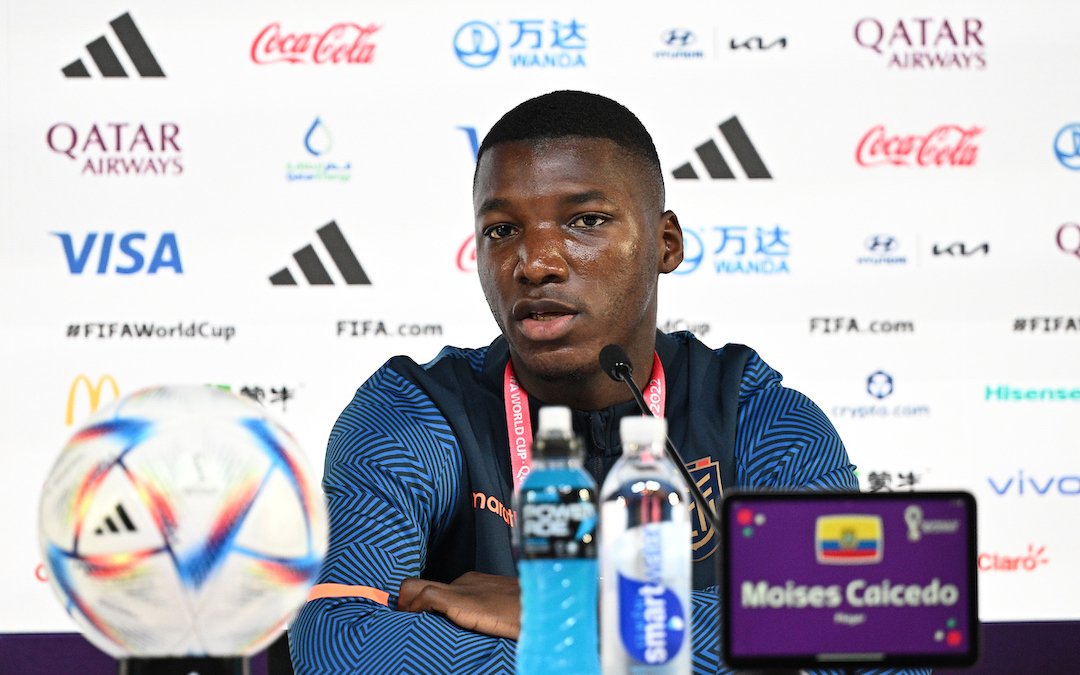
<point x="344" y="591"/>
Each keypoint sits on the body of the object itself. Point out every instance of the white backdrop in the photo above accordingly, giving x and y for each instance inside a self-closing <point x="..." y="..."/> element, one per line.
<point x="243" y="177"/>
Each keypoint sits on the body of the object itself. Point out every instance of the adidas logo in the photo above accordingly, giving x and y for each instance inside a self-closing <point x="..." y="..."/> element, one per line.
<point x="106" y="60"/>
<point x="312" y="266"/>
<point x="110" y="525"/>
<point x="710" y="156"/>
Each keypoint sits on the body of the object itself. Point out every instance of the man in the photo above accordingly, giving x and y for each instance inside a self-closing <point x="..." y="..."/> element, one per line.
<point x="571" y="236"/>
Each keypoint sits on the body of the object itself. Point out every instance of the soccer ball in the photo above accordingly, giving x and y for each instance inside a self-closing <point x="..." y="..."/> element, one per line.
<point x="181" y="521"/>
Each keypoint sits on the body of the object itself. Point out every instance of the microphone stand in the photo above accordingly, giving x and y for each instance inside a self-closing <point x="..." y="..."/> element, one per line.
<point x="624" y="374"/>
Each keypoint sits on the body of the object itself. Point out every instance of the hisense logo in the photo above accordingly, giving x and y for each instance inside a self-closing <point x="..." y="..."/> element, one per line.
<point x="1006" y="393"/>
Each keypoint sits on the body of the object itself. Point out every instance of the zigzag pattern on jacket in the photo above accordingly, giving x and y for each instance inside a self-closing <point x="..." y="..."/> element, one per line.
<point x="392" y="474"/>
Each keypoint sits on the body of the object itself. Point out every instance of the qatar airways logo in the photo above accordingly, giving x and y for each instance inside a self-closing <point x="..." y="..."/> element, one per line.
<point x="925" y="43"/>
<point x="344" y="42"/>
<point x="946" y="145"/>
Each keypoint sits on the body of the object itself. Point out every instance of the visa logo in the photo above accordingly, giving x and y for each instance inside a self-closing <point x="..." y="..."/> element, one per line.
<point x="849" y="539"/>
<point x="1020" y="485"/>
<point x="129" y="259"/>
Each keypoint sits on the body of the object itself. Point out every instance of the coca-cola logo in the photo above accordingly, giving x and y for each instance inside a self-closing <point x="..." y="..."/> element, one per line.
<point x="947" y="145"/>
<point x="466" y="255"/>
<point x="341" y="43"/>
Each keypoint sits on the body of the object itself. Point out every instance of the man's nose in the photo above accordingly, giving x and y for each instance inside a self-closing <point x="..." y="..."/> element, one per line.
<point x="542" y="255"/>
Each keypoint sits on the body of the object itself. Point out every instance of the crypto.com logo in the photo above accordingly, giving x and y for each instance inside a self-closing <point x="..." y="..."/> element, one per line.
<point x="476" y="44"/>
<point x="93" y="390"/>
<point x="1067" y="146"/>
<point x="879" y="384"/>
<point x="1068" y="239"/>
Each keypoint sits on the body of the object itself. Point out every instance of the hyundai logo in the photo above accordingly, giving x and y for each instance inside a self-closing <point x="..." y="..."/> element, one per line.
<point x="882" y="243"/>
<point x="678" y="37"/>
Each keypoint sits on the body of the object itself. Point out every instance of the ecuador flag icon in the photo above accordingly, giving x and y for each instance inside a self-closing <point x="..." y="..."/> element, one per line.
<point x="849" y="539"/>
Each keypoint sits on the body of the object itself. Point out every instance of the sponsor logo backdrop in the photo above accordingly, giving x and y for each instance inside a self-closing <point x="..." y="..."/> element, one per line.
<point x="880" y="199"/>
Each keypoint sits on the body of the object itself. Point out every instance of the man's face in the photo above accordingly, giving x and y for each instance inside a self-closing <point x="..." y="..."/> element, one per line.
<point x="569" y="242"/>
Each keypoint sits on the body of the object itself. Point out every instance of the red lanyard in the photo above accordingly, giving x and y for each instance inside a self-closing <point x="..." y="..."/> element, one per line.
<point x="519" y="419"/>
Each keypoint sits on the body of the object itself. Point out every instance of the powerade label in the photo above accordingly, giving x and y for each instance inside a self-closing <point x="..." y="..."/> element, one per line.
<point x="558" y="523"/>
<point x="651" y="621"/>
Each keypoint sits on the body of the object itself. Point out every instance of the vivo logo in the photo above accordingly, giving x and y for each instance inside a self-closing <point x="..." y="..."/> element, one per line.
<point x="1021" y="484"/>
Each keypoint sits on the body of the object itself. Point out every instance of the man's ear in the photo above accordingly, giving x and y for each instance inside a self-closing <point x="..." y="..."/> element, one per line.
<point x="671" y="242"/>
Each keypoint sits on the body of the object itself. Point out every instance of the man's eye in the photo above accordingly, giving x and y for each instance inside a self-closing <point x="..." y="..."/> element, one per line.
<point x="588" y="220"/>
<point x="499" y="231"/>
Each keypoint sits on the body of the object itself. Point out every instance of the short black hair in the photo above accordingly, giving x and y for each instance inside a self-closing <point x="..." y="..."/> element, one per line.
<point x="560" y="114"/>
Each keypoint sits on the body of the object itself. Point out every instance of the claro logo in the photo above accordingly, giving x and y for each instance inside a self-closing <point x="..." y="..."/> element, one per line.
<point x="94" y="390"/>
<point x="1000" y="562"/>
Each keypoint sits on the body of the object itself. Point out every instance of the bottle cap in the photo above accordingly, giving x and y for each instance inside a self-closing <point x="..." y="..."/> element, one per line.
<point x="555" y="418"/>
<point x="634" y="430"/>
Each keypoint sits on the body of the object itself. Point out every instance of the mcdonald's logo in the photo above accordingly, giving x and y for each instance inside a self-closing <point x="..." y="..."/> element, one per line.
<point x="93" y="390"/>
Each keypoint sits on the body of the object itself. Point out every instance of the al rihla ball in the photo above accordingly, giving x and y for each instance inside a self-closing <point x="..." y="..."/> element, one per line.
<point x="182" y="521"/>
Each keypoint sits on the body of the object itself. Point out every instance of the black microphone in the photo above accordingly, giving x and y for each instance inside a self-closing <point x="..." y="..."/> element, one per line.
<point x="616" y="363"/>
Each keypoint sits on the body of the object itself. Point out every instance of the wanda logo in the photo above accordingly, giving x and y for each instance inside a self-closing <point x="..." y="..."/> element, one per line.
<point x="947" y="145"/>
<point x="341" y="43"/>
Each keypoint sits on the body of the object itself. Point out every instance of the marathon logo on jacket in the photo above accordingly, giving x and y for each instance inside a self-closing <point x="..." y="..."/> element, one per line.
<point x="945" y="145"/>
<point x="344" y="43"/>
<point x="924" y="43"/>
<point x="529" y="43"/>
<point x="118" y="148"/>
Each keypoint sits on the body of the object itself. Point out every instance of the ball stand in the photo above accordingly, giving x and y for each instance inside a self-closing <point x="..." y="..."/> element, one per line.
<point x="208" y="665"/>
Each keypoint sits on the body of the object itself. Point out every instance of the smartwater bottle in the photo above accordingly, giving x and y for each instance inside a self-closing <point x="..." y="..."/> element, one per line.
<point x="557" y="555"/>
<point x="645" y="559"/>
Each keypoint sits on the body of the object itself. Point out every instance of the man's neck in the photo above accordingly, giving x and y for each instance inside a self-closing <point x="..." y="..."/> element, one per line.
<point x="594" y="391"/>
